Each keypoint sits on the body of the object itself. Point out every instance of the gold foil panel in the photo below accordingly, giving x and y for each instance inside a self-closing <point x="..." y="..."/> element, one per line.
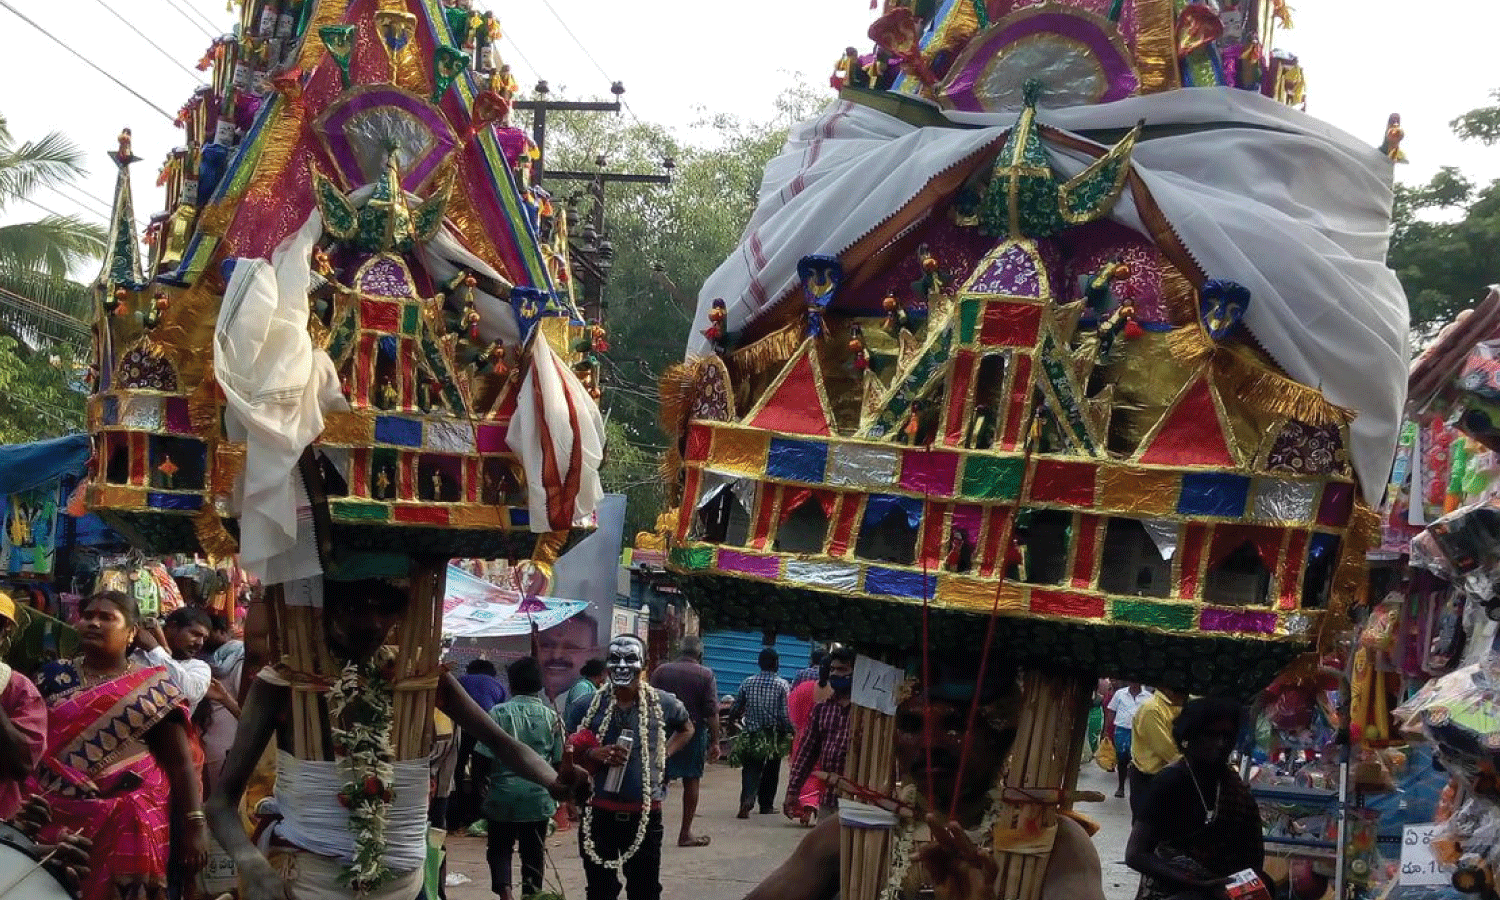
<point x="977" y="595"/>
<point x="476" y="516"/>
<point x="114" y="496"/>
<point x="740" y="451"/>
<point x="1156" y="46"/>
<point x="1138" y="492"/>
<point x="348" y="429"/>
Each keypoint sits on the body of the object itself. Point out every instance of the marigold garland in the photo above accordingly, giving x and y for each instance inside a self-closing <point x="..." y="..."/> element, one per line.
<point x="362" y="708"/>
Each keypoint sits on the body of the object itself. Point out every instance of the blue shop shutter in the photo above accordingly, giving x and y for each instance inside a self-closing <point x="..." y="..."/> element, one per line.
<point x="734" y="656"/>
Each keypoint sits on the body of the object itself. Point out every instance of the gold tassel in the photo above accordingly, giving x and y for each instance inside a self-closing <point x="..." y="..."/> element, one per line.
<point x="215" y="540"/>
<point x="1178" y="297"/>
<point x="771" y="350"/>
<point x="1261" y="388"/>
<point x="1240" y="372"/>
<point x="1350" y="578"/>
<point x="676" y="387"/>
<point x="549" y="546"/>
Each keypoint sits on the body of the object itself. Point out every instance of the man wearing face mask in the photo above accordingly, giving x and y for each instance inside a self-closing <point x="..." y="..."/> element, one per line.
<point x="621" y="828"/>
<point x="826" y="741"/>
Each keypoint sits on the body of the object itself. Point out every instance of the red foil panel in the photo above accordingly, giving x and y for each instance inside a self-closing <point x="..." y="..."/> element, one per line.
<point x="760" y="535"/>
<point x="933" y="520"/>
<point x="699" y="439"/>
<point x="1010" y="324"/>
<point x="380" y="315"/>
<point x="1085" y="547"/>
<point x="421" y="514"/>
<point x="1289" y="581"/>
<point x="845" y="517"/>
<point x="1058" y="603"/>
<point x="996" y="536"/>
<point x="959" y="388"/>
<point x="1020" y="396"/>
<point x="1071" y="483"/>
<point x="1190" y="555"/>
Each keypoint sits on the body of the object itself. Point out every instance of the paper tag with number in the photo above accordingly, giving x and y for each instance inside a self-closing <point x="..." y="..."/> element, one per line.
<point x="1418" y="866"/>
<point x="875" y="685"/>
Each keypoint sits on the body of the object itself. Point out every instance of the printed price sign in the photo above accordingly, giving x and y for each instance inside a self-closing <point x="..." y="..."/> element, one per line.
<point x="875" y="685"/>
<point x="1418" y="866"/>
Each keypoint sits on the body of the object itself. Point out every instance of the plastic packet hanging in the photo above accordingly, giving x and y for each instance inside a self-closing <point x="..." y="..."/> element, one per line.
<point x="1463" y="547"/>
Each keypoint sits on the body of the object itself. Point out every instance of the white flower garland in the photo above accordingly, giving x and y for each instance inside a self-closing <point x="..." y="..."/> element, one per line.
<point x="362" y="743"/>
<point x="653" y="752"/>
<point x="903" y="849"/>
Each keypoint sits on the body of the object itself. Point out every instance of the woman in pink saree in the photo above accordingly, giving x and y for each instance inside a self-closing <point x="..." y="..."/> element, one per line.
<point x="119" y="764"/>
<point x="799" y="706"/>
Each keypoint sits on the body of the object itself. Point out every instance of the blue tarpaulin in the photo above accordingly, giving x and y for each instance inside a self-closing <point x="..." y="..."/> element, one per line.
<point x="25" y="466"/>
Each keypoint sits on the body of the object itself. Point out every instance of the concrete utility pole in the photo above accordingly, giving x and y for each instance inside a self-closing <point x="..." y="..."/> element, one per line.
<point x="593" y="256"/>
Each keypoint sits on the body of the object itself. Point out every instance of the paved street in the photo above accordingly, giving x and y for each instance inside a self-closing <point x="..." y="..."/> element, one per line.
<point x="743" y="851"/>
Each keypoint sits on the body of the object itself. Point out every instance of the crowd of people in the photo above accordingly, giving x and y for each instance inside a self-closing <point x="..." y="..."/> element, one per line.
<point x="153" y="732"/>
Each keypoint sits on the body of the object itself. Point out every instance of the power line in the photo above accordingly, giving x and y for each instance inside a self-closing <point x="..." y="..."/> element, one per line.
<point x="576" y="40"/>
<point x="128" y="24"/>
<point x="92" y="206"/>
<point x="199" y="17"/>
<point x="85" y="60"/>
<point x="535" y="74"/>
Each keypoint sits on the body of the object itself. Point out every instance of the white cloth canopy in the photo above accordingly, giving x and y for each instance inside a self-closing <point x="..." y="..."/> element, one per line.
<point x="1288" y="206"/>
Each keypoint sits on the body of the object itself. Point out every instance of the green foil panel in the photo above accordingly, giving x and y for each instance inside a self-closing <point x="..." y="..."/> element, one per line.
<point x="1168" y="616"/>
<point x="693" y="557"/>
<point x="362" y="512"/>
<point x="992" y="477"/>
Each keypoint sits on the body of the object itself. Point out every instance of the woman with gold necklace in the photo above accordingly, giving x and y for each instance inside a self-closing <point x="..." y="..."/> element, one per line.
<point x="117" y="749"/>
<point x="1198" y="824"/>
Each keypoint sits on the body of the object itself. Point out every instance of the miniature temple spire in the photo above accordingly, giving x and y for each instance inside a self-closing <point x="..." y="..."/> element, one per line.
<point x="122" y="254"/>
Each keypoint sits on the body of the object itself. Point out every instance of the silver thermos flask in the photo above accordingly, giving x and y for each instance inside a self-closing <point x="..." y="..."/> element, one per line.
<point x="616" y="774"/>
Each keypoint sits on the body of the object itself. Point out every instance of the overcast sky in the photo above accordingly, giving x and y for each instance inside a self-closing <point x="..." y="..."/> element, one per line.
<point x="1363" y="61"/>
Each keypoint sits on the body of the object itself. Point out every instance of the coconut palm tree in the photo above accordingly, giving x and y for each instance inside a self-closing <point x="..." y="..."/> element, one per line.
<point x="38" y="304"/>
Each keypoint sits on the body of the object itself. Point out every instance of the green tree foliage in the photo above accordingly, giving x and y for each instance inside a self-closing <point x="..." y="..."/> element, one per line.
<point x="42" y="313"/>
<point x="1445" y="235"/>
<point x="41" y="396"/>
<point x="667" y="240"/>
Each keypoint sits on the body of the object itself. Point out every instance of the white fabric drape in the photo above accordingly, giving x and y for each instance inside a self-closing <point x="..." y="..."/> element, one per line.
<point x="307" y="793"/>
<point x="551" y="385"/>
<point x="277" y="387"/>
<point x="1290" y="207"/>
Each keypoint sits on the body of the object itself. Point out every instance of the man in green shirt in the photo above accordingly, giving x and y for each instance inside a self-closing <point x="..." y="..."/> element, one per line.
<point x="591" y="680"/>
<point x="518" y="810"/>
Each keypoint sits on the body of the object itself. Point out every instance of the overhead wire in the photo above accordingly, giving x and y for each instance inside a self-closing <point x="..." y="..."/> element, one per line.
<point x="5" y="4"/>
<point x="588" y="55"/>
<point x="195" y="75"/>
<point x="213" y="31"/>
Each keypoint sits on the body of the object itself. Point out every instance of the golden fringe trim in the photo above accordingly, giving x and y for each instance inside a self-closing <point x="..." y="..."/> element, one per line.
<point x="549" y="546"/>
<point x="771" y="350"/>
<point x="216" y="542"/>
<point x="676" y="387"/>
<point x="1178" y="297"/>
<point x="1351" y="583"/>
<point x="1245" y="376"/>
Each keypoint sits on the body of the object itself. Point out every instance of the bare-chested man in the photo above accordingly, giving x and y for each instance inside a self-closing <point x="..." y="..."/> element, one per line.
<point x="313" y="842"/>
<point x="1073" y="872"/>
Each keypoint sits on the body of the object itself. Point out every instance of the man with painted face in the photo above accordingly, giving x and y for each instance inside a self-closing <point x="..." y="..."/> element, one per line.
<point x="826" y="742"/>
<point x="950" y="858"/>
<point x="621" y="830"/>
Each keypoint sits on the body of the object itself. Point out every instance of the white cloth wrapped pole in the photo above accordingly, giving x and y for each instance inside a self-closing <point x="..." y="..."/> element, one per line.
<point x="277" y="387"/>
<point x="307" y="795"/>
<point x="556" y="427"/>
<point x="1262" y="194"/>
